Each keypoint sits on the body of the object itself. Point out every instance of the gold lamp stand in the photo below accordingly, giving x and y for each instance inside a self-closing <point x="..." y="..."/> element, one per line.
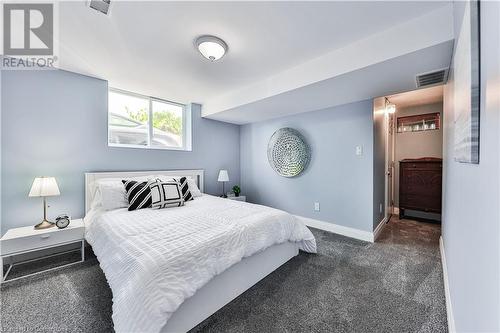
<point x="45" y="223"/>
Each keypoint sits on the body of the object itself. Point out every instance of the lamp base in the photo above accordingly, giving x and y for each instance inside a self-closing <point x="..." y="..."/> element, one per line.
<point x="44" y="225"/>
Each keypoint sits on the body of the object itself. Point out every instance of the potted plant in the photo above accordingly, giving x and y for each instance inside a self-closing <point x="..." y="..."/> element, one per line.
<point x="236" y="190"/>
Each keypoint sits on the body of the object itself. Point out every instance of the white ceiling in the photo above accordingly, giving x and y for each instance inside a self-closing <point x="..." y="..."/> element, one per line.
<point x="147" y="47"/>
<point x="391" y="76"/>
<point x="417" y="97"/>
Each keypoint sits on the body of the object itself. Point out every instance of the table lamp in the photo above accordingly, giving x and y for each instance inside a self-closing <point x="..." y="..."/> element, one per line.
<point x="44" y="187"/>
<point x="223" y="177"/>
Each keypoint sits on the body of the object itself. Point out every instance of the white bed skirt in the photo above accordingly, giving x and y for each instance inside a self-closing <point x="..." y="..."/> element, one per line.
<point x="228" y="285"/>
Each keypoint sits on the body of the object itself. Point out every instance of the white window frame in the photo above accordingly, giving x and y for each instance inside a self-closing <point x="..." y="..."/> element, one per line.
<point x="186" y="123"/>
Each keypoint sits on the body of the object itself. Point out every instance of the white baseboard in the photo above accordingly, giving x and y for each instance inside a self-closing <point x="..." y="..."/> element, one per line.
<point x="338" y="229"/>
<point x="449" y="309"/>
<point x="379" y="228"/>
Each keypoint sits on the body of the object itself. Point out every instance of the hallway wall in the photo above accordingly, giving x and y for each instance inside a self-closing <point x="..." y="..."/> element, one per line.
<point x="471" y="198"/>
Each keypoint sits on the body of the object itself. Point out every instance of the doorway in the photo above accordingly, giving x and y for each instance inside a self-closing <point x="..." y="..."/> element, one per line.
<point x="411" y="142"/>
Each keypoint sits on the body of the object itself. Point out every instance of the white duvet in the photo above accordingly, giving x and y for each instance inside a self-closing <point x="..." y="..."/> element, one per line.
<point x="155" y="259"/>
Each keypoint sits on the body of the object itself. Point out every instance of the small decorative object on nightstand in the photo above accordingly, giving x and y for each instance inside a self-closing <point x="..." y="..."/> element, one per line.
<point x="223" y="177"/>
<point x="239" y="198"/>
<point x="236" y="190"/>
<point x="28" y="240"/>
<point x="44" y="187"/>
<point x="62" y="221"/>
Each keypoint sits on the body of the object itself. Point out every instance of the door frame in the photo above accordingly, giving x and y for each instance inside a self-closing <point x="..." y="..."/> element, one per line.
<point x="389" y="128"/>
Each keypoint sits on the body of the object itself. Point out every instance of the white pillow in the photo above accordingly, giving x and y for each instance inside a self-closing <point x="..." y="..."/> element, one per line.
<point x="111" y="192"/>
<point x="164" y="178"/>
<point x="193" y="188"/>
<point x="96" y="199"/>
<point x="113" y="195"/>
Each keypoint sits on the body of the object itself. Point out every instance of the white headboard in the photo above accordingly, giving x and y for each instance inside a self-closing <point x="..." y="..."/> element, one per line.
<point x="91" y="177"/>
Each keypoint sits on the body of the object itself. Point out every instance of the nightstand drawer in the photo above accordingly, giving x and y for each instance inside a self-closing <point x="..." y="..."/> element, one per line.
<point x="42" y="240"/>
<point x="240" y="198"/>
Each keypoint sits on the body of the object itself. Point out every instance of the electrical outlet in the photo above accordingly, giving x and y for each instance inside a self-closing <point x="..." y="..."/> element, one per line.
<point x="316" y="206"/>
<point x="359" y="150"/>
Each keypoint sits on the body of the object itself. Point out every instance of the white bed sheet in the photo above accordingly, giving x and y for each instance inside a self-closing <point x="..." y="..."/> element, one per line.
<point x="155" y="259"/>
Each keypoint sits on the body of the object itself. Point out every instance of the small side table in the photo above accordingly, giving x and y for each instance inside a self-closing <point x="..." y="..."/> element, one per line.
<point x="28" y="240"/>
<point x="240" y="198"/>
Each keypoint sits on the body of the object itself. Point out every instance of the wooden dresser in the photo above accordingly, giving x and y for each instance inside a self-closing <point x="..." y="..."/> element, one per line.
<point x="420" y="185"/>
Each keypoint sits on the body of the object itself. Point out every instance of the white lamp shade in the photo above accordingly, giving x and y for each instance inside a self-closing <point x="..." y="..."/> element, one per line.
<point x="44" y="187"/>
<point x="223" y="176"/>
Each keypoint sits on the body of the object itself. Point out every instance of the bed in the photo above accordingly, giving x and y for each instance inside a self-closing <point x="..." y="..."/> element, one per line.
<point x="169" y="269"/>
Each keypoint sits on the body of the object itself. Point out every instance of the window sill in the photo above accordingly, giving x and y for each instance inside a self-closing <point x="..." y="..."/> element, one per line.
<point x="116" y="145"/>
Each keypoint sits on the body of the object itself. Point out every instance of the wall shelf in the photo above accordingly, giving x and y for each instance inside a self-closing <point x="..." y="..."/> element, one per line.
<point x="419" y="123"/>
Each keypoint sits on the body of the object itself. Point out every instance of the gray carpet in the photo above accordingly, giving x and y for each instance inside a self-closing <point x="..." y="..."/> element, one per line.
<point x="394" y="285"/>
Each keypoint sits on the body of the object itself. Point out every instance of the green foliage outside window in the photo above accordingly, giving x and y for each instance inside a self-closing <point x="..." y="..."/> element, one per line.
<point x="140" y="116"/>
<point x="168" y="122"/>
<point x="165" y="121"/>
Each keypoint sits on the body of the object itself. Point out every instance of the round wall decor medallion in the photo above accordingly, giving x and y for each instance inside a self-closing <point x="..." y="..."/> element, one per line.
<point x="288" y="153"/>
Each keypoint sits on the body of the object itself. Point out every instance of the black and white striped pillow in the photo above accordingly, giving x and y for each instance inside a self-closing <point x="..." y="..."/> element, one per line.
<point x="138" y="194"/>
<point x="186" y="194"/>
<point x="166" y="194"/>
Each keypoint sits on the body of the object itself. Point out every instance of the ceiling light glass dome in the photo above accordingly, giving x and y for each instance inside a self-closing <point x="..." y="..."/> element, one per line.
<point x="211" y="47"/>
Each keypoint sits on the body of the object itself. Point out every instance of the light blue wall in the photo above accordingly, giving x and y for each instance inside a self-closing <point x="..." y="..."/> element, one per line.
<point x="471" y="200"/>
<point x="341" y="181"/>
<point x="54" y="123"/>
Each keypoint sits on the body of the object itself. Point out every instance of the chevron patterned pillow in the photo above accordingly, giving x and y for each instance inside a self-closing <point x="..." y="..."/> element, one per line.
<point x="138" y="194"/>
<point x="186" y="194"/>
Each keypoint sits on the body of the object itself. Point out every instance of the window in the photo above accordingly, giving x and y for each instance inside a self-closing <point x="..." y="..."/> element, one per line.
<point x="138" y="121"/>
<point x="421" y="122"/>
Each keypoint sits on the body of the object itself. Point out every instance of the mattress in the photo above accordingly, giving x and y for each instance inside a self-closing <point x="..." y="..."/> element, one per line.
<point x="155" y="259"/>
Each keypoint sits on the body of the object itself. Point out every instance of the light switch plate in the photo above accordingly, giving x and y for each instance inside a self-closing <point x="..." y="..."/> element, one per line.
<point x="316" y="206"/>
<point x="359" y="150"/>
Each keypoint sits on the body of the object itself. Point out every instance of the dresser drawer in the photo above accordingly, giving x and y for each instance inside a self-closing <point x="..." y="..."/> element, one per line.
<point x="422" y="166"/>
<point x="423" y="202"/>
<point x="42" y="240"/>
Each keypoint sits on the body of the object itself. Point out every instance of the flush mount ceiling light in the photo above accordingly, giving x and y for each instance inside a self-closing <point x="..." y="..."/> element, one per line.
<point x="211" y="47"/>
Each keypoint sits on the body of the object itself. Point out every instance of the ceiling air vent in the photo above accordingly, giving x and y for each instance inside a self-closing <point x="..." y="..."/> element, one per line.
<point x="432" y="78"/>
<point x="100" y="5"/>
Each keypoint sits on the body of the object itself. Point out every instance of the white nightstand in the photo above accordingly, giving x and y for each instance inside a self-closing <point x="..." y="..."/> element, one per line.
<point x="26" y="239"/>
<point x="240" y="198"/>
